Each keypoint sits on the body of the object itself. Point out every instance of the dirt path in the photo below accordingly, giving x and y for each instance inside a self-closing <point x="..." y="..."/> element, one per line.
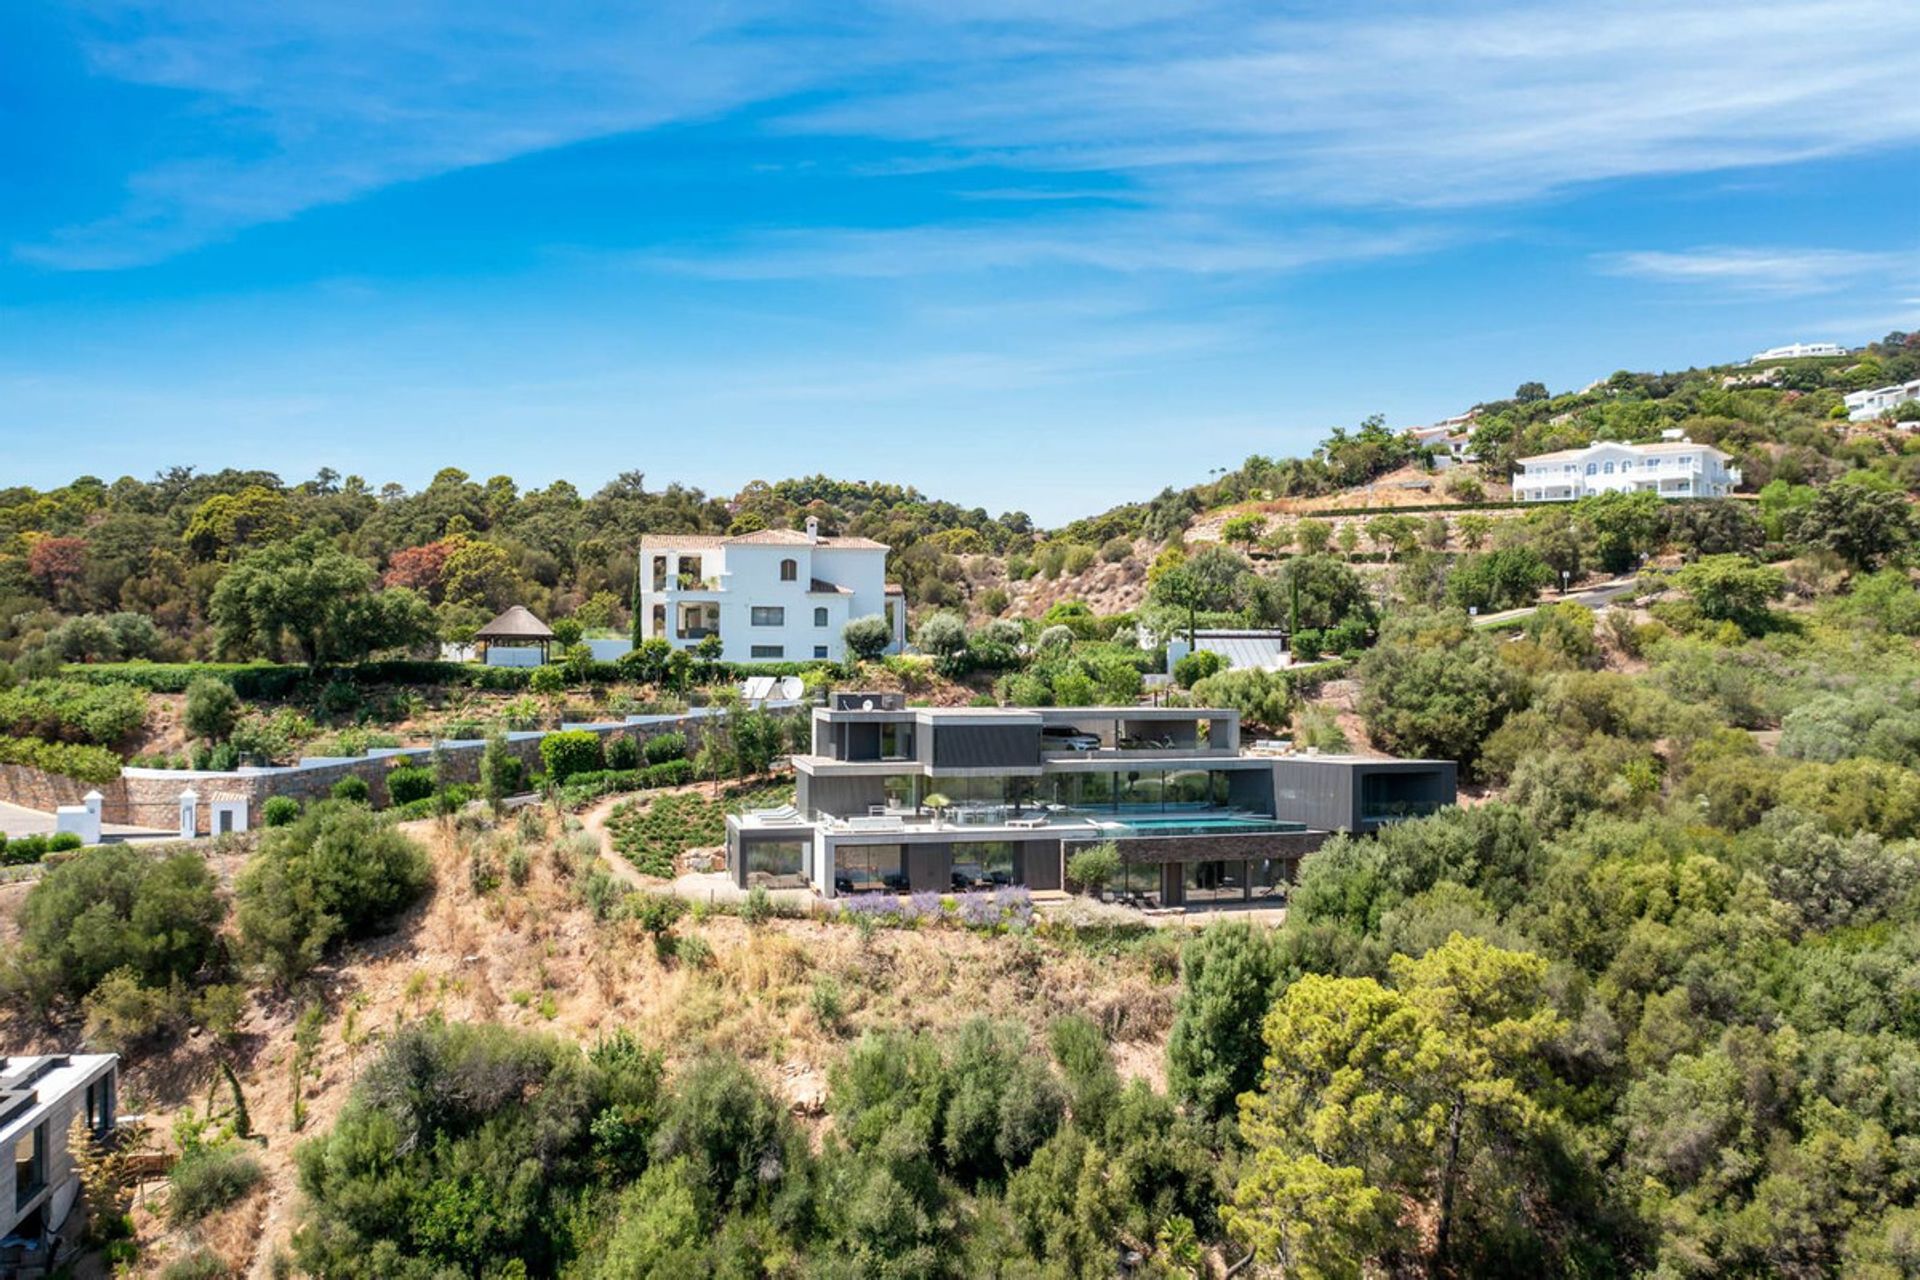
<point x="594" y="820"/>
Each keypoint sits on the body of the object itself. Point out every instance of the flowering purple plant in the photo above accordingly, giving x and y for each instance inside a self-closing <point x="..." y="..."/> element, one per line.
<point x="979" y="910"/>
<point x="874" y="906"/>
<point x="1015" y="903"/>
<point x="923" y="906"/>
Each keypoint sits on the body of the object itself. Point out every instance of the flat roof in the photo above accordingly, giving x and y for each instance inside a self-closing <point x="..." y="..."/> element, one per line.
<point x="1301" y="757"/>
<point x="30" y="1085"/>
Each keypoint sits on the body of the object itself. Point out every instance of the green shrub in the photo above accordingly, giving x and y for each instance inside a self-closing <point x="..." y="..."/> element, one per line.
<point x="121" y="1012"/>
<point x="210" y="1178"/>
<point x="278" y="811"/>
<point x="1197" y="666"/>
<point x="757" y="909"/>
<point x="1094" y="867"/>
<point x="569" y="752"/>
<point x="202" y="1264"/>
<point x="63" y="842"/>
<point x="213" y="708"/>
<point x="868" y="637"/>
<point x="23" y="850"/>
<point x="582" y="787"/>
<point x="116" y="907"/>
<point x="258" y="680"/>
<point x="340" y="871"/>
<point x="623" y="753"/>
<point x="81" y="763"/>
<point x="663" y="747"/>
<point x="72" y="711"/>
<point x="547" y="679"/>
<point x="426" y="1172"/>
<point x="1263" y="698"/>
<point x="353" y="789"/>
<point x="408" y="783"/>
<point x="1214" y="1052"/>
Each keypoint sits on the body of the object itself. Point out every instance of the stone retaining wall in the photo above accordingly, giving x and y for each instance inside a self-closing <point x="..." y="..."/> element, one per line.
<point x="151" y="797"/>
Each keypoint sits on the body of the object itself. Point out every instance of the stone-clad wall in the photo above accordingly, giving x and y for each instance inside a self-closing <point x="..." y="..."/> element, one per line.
<point x="48" y="791"/>
<point x="1210" y="848"/>
<point x="151" y="797"/>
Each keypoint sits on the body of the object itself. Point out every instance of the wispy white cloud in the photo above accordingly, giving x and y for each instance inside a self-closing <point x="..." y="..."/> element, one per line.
<point x="302" y="105"/>
<point x="1153" y="241"/>
<point x="1765" y="272"/>
<point x="1265" y="121"/>
<point x="1408" y="106"/>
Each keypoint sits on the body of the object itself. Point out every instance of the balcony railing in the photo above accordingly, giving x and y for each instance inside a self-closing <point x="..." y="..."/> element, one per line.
<point x="696" y="633"/>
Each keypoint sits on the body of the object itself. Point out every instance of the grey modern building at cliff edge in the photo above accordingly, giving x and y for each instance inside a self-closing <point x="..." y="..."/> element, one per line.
<point x="900" y="799"/>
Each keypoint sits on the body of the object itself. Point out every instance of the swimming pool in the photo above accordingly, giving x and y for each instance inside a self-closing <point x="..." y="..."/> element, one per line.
<point x="1193" y="824"/>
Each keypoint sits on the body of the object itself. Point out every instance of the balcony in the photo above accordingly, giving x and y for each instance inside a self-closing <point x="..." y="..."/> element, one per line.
<point x="695" y="633"/>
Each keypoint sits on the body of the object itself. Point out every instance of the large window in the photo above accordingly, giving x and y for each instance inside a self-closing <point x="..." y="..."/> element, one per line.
<point x="820" y="616"/>
<point x="777" y="864"/>
<point x="1215" y="881"/>
<point x="1138" y="883"/>
<point x="789" y="570"/>
<point x="100" y="1104"/>
<point x="29" y="1166"/>
<point x="1271" y="876"/>
<point x="768" y="615"/>
<point x="760" y="651"/>
<point x="869" y="868"/>
<point x="1123" y="791"/>
<point x="982" y="864"/>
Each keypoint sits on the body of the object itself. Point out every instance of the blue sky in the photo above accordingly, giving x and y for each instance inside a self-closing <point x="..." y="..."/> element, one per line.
<point x="1023" y="259"/>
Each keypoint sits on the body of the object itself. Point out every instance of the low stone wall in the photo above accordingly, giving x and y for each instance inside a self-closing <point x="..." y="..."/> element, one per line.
<point x="48" y="791"/>
<point x="151" y="797"/>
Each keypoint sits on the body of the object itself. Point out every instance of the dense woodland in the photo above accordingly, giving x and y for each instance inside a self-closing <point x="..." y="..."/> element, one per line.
<point x="1644" y="1006"/>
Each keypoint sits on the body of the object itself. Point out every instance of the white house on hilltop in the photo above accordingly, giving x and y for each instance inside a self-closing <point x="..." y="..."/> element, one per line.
<point x="1863" y="406"/>
<point x="1673" y="468"/>
<point x="778" y="595"/>
<point x="1451" y="439"/>
<point x="1797" y="351"/>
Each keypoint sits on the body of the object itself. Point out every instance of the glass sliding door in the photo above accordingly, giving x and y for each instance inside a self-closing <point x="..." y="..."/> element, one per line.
<point x="869" y="868"/>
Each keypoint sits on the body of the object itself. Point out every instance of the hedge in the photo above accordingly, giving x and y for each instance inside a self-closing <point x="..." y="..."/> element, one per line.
<point x="24" y="851"/>
<point x="276" y="680"/>
<point x="273" y="680"/>
<point x="84" y="764"/>
<point x="582" y="787"/>
<point x="571" y="751"/>
<point x="455" y="797"/>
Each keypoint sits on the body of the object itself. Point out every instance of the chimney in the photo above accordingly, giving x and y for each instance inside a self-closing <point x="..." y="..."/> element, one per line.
<point x="813" y="528"/>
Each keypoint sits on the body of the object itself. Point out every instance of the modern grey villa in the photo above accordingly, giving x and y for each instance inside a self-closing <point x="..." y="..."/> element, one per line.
<point x="899" y="799"/>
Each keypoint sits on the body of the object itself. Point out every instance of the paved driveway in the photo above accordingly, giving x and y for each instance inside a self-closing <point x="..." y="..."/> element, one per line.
<point x="18" y="821"/>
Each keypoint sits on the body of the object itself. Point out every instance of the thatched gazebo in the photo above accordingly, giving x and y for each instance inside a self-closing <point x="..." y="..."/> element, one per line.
<point x="516" y="628"/>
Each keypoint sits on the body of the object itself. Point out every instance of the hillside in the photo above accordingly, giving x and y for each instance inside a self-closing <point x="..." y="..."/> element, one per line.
<point x="1655" y="963"/>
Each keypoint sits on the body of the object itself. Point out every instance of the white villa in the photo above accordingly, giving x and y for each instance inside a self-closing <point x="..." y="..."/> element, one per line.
<point x="778" y="595"/>
<point x="1673" y="468"/>
<point x="1450" y="438"/>
<point x="1797" y="351"/>
<point x="1863" y="406"/>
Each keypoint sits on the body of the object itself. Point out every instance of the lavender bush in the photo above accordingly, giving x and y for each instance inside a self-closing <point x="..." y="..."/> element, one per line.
<point x="872" y="906"/>
<point x="979" y="910"/>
